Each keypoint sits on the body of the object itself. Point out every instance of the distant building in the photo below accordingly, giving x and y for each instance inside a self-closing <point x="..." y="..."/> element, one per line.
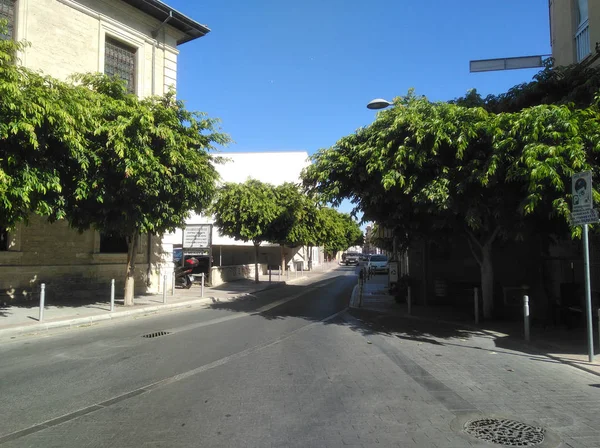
<point x="270" y="167"/>
<point x="575" y="31"/>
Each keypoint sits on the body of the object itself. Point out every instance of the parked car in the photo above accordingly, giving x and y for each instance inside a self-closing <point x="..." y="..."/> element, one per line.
<point x="351" y="258"/>
<point x="378" y="264"/>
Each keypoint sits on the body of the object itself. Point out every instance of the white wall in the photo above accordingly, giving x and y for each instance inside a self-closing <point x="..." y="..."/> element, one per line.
<point x="68" y="36"/>
<point x="271" y="167"/>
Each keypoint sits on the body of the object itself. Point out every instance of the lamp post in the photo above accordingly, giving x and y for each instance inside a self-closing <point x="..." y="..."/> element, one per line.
<point x="379" y="103"/>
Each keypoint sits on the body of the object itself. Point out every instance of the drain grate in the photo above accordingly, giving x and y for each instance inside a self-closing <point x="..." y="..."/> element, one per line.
<point x="504" y="432"/>
<point x="156" y="334"/>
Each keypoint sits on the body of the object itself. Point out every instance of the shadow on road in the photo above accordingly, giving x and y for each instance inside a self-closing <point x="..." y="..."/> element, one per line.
<point x="330" y="295"/>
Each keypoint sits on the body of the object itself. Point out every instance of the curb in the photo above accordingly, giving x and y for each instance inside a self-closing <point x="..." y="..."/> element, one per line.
<point x="89" y="320"/>
<point x="541" y="351"/>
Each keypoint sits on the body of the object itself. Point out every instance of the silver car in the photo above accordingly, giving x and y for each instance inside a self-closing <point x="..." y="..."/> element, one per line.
<point x="378" y="264"/>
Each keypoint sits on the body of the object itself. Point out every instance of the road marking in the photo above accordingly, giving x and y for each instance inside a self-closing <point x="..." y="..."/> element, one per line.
<point x="170" y="380"/>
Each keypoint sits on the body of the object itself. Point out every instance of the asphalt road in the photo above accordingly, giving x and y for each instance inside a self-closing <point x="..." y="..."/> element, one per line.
<point x="285" y="367"/>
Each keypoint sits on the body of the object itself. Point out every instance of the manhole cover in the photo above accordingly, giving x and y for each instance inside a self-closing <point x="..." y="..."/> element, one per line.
<point x="156" y="334"/>
<point x="504" y="432"/>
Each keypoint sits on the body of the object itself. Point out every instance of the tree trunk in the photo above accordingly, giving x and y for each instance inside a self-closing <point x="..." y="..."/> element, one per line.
<point x="256" y="246"/>
<point x="310" y="253"/>
<point x="282" y="258"/>
<point x="130" y="273"/>
<point x="483" y="254"/>
<point x="487" y="281"/>
<point x="149" y="260"/>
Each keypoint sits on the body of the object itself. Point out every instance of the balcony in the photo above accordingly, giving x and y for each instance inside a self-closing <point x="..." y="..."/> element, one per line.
<point x="582" y="40"/>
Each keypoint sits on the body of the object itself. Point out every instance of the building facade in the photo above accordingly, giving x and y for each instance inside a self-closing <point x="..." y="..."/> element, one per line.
<point x="136" y="41"/>
<point x="274" y="168"/>
<point x="575" y="31"/>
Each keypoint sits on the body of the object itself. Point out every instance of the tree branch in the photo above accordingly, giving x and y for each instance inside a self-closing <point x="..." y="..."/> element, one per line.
<point x="477" y="258"/>
<point x="493" y="237"/>
<point x="473" y="238"/>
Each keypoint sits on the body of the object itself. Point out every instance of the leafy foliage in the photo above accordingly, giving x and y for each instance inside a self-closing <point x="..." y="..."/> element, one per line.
<point x="434" y="170"/>
<point x="575" y="85"/>
<point x="152" y="164"/>
<point x="245" y="211"/>
<point x="42" y="120"/>
<point x="99" y="157"/>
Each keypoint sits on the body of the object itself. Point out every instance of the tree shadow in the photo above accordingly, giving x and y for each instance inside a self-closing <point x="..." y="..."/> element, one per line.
<point x="331" y="296"/>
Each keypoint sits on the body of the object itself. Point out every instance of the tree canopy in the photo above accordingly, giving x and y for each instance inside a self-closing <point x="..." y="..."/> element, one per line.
<point x="42" y="120"/>
<point x="101" y="158"/>
<point x="429" y="170"/>
<point x="246" y="212"/>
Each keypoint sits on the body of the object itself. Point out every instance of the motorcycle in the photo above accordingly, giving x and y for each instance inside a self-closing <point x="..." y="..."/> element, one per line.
<point x="183" y="274"/>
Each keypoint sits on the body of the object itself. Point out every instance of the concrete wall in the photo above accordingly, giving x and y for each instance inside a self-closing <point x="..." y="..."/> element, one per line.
<point x="224" y="274"/>
<point x="562" y="31"/>
<point x="268" y="255"/>
<point x="563" y="27"/>
<point x="68" y="37"/>
<point x="70" y="263"/>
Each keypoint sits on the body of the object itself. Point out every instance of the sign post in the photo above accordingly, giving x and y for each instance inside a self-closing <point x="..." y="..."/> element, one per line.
<point x="584" y="214"/>
<point x="197" y="241"/>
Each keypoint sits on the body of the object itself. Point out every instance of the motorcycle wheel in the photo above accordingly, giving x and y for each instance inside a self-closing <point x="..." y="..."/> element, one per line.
<point x="188" y="283"/>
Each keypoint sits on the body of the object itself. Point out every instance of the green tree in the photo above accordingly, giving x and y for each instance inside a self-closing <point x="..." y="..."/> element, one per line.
<point x="433" y="170"/>
<point x="338" y="230"/>
<point x="151" y="166"/>
<point x="42" y="120"/>
<point x="296" y="223"/>
<point x="246" y="212"/>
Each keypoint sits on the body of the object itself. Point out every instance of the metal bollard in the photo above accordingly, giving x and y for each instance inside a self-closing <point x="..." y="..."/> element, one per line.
<point x="476" y="301"/>
<point x="172" y="283"/>
<point x="280" y="268"/>
<point x="269" y="275"/>
<point x="165" y="288"/>
<point x="409" y="300"/>
<point x="112" y="295"/>
<point x="202" y="285"/>
<point x="42" y="301"/>
<point x="526" y="316"/>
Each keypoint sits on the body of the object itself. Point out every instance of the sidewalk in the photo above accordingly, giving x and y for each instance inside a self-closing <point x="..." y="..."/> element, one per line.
<point x="22" y="318"/>
<point x="566" y="346"/>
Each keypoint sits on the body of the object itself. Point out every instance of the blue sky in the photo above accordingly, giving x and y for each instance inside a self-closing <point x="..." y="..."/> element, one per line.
<point x="286" y="75"/>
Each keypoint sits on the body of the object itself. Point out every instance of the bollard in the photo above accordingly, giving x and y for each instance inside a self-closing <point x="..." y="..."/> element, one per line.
<point x="526" y="316"/>
<point x="269" y="275"/>
<point x="42" y="301"/>
<point x="360" y="289"/>
<point x="280" y="273"/>
<point x="165" y="288"/>
<point x="476" y="301"/>
<point x="409" y="300"/>
<point x="172" y="283"/>
<point x="112" y="295"/>
<point x="202" y="285"/>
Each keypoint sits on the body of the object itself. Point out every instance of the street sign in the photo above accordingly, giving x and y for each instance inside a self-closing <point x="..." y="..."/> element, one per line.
<point x="585" y="216"/>
<point x="581" y="189"/>
<point x="393" y="271"/>
<point x="197" y="236"/>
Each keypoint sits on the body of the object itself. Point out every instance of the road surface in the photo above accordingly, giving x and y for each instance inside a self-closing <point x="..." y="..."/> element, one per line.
<point x="288" y="367"/>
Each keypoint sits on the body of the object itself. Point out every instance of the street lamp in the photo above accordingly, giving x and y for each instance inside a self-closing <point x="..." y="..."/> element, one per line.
<point x="379" y="103"/>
